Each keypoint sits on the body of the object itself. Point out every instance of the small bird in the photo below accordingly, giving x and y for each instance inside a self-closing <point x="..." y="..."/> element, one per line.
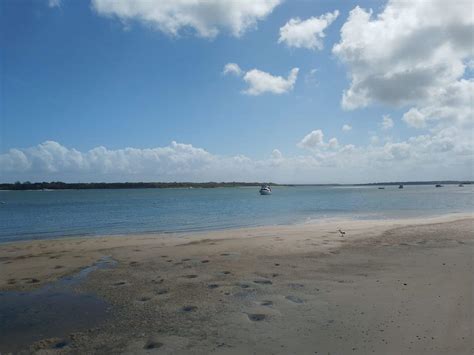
<point x="342" y="232"/>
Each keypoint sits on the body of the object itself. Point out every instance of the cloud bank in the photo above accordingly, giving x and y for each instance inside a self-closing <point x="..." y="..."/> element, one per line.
<point x="422" y="157"/>
<point x="205" y="17"/>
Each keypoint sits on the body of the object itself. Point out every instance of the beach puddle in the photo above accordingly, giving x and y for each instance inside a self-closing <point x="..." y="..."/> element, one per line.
<point x="54" y="310"/>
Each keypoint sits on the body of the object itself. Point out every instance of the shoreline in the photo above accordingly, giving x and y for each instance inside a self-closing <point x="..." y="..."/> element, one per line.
<point x="406" y="284"/>
<point x="429" y="218"/>
<point x="94" y="245"/>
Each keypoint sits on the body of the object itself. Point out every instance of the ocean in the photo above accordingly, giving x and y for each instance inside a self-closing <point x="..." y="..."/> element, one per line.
<point x="26" y="215"/>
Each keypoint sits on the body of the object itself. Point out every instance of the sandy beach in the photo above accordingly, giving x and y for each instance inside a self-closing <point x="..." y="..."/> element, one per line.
<point x="382" y="287"/>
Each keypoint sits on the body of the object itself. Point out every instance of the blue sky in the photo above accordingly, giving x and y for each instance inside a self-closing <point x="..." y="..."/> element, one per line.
<point x="83" y="78"/>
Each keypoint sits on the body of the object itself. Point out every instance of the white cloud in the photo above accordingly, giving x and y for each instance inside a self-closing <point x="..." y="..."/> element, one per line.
<point x="206" y="17"/>
<point x="232" y="68"/>
<point x="260" y="82"/>
<point x="312" y="140"/>
<point x="387" y="123"/>
<point x="346" y="128"/>
<point x="308" y="33"/>
<point x="333" y="143"/>
<point x="415" y="55"/>
<point x="276" y="154"/>
<point x="406" y="55"/>
<point x="444" y="155"/>
<point x="414" y="118"/>
<point x="54" y="3"/>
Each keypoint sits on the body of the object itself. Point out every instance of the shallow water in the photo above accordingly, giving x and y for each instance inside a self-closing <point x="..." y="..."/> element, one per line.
<point x="48" y="214"/>
<point x="54" y="310"/>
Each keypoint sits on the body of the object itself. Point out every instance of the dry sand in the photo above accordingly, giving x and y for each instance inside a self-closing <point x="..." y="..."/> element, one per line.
<point x="384" y="287"/>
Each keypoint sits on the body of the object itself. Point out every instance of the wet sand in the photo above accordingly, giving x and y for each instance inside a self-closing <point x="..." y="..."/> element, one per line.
<point x="383" y="287"/>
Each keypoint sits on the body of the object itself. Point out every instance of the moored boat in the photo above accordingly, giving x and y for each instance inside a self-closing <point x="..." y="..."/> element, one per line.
<point x="265" y="190"/>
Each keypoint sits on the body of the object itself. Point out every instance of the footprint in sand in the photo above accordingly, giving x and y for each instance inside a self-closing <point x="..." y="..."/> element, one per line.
<point x="144" y="299"/>
<point x="226" y="272"/>
<point x="189" y="308"/>
<point x="119" y="283"/>
<point x="60" y="344"/>
<point x="162" y="292"/>
<point x="295" y="286"/>
<point x="263" y="282"/>
<point x="58" y="267"/>
<point x="31" y="280"/>
<point x="266" y="303"/>
<point x="205" y="261"/>
<point x="212" y="286"/>
<point x="256" y="317"/>
<point x="152" y="345"/>
<point x="133" y="263"/>
<point x="294" y="299"/>
<point x="190" y="276"/>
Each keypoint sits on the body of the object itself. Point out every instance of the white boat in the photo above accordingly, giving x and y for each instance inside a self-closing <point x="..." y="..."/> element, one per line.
<point x="265" y="190"/>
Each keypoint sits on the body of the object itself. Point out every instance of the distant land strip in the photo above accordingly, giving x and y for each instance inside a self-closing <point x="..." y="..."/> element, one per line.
<point x="58" y="185"/>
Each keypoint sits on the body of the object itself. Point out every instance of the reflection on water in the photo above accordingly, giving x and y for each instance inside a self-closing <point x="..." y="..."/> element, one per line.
<point x="55" y="310"/>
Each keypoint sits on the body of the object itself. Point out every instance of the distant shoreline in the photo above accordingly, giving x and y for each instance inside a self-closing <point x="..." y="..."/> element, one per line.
<point x="58" y="185"/>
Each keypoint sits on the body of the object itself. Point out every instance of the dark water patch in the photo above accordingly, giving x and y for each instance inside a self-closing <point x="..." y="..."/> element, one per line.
<point x="69" y="281"/>
<point x="53" y="311"/>
<point x="29" y="317"/>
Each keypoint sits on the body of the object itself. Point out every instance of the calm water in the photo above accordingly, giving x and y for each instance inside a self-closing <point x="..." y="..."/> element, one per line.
<point x="47" y="214"/>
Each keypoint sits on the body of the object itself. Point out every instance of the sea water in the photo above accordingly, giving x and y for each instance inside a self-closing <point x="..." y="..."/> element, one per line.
<point x="28" y="215"/>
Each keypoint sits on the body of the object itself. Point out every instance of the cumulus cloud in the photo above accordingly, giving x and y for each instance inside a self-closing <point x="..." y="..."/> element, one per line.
<point x="414" y="118"/>
<point x="406" y="55"/>
<point x="438" y="156"/>
<point x="276" y="154"/>
<point x="232" y="68"/>
<point x="306" y="33"/>
<point x="346" y="128"/>
<point x="414" y="55"/>
<point x="314" y="141"/>
<point x="387" y="123"/>
<point x="260" y="82"/>
<point x="205" y="17"/>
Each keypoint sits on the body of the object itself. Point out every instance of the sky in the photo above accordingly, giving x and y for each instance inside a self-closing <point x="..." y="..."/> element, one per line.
<point x="300" y="91"/>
